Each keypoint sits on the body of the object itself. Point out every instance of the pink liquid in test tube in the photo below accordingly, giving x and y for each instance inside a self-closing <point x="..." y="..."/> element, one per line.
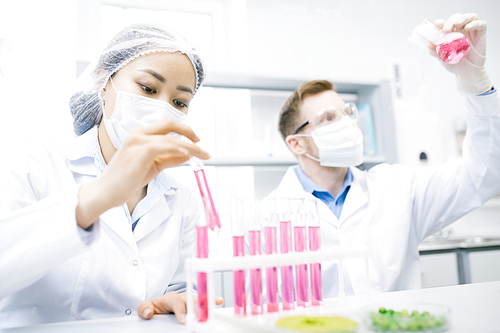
<point x="287" y="271"/>
<point x="316" y="286"/>
<point x="255" y="274"/>
<point x="453" y="51"/>
<point x="202" y="252"/>
<point x="300" y="234"/>
<point x="240" y="296"/>
<point x="206" y="196"/>
<point x="271" y="272"/>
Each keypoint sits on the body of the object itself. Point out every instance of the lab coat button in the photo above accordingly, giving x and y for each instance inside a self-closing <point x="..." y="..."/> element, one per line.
<point x="128" y="312"/>
<point x="135" y="263"/>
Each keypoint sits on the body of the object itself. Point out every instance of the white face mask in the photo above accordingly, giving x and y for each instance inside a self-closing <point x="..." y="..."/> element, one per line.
<point x="340" y="144"/>
<point x="133" y="111"/>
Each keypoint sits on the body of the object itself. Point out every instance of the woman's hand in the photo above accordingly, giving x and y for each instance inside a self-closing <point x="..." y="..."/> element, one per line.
<point x="171" y="302"/>
<point x="145" y="153"/>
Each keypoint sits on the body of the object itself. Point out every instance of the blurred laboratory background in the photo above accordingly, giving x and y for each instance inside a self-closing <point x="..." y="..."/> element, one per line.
<point x="257" y="52"/>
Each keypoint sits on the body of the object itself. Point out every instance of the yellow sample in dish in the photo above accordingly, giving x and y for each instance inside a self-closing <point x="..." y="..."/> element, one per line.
<point x="318" y="324"/>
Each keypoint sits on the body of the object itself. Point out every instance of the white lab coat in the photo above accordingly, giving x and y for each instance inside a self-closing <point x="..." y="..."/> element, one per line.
<point x="50" y="270"/>
<point x="391" y="208"/>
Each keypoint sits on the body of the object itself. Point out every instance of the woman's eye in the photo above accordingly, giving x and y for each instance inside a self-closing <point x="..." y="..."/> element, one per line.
<point x="180" y="104"/>
<point x="147" y="89"/>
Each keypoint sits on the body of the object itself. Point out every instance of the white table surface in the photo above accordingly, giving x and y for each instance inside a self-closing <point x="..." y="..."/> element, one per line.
<point x="474" y="308"/>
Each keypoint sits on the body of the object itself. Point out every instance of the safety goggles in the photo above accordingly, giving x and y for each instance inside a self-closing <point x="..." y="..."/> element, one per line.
<point x="330" y="115"/>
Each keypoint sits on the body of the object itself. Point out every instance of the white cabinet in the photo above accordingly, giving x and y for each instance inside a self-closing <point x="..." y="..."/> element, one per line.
<point x="485" y="266"/>
<point x="442" y="270"/>
<point x="439" y="270"/>
<point x="237" y="118"/>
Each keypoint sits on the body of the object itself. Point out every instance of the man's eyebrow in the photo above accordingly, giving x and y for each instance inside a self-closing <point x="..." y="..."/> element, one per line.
<point x="184" y="88"/>
<point x="155" y="74"/>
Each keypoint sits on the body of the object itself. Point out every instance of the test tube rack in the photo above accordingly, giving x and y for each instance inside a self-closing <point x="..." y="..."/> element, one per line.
<point x="211" y="265"/>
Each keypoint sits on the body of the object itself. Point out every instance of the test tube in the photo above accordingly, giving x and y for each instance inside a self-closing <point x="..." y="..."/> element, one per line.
<point x="270" y="219"/>
<point x="208" y="203"/>
<point x="300" y="237"/>
<point x="238" y="230"/>
<point x="314" y="245"/>
<point x="254" y="227"/>
<point x="202" y="252"/>
<point x="288" y="295"/>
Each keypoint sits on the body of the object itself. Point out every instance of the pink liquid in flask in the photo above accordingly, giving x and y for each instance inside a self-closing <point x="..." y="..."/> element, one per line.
<point x="316" y="287"/>
<point x="287" y="271"/>
<point x="206" y="196"/>
<point x="271" y="272"/>
<point x="240" y="296"/>
<point x="255" y="275"/>
<point x="451" y="47"/>
<point x="301" y="270"/>
<point x="453" y="52"/>
<point x="202" y="252"/>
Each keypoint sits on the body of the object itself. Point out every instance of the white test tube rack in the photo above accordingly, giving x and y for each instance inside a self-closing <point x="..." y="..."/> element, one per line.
<point x="210" y="266"/>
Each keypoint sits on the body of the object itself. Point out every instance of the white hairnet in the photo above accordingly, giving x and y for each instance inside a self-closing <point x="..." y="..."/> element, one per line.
<point x="128" y="44"/>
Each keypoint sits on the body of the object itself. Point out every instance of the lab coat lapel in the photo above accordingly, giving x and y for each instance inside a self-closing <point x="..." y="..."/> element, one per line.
<point x="291" y="187"/>
<point x="356" y="197"/>
<point x="116" y="219"/>
<point x="327" y="215"/>
<point x="149" y="222"/>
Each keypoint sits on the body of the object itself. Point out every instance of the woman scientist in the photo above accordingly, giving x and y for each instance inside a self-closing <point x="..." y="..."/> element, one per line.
<point x="100" y="231"/>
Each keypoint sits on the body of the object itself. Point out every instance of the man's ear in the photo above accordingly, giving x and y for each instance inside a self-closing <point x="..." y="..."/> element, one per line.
<point x="296" y="144"/>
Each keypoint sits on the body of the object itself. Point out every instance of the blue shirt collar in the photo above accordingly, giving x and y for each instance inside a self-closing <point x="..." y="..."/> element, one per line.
<point x="310" y="186"/>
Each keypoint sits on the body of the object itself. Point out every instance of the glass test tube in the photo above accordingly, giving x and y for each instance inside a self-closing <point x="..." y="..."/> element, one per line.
<point x="300" y="237"/>
<point x="270" y="221"/>
<point x="255" y="250"/>
<point x="238" y="230"/>
<point x="314" y="245"/>
<point x="208" y="203"/>
<point x="288" y="295"/>
<point x="202" y="252"/>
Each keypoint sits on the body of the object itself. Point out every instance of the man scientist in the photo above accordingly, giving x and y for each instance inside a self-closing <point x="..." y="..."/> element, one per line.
<point x="391" y="208"/>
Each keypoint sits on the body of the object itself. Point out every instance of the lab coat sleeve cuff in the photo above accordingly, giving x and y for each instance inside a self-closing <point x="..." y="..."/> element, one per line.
<point x="484" y="105"/>
<point x="90" y="234"/>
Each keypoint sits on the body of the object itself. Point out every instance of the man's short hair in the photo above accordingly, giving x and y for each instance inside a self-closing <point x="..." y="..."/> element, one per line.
<point x="290" y="112"/>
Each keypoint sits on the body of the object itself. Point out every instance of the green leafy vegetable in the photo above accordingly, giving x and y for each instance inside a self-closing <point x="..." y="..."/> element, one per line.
<point x="387" y="320"/>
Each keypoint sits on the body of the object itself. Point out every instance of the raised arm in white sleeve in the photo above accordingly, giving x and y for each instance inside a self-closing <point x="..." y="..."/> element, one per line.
<point x="444" y="193"/>
<point x="38" y="229"/>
